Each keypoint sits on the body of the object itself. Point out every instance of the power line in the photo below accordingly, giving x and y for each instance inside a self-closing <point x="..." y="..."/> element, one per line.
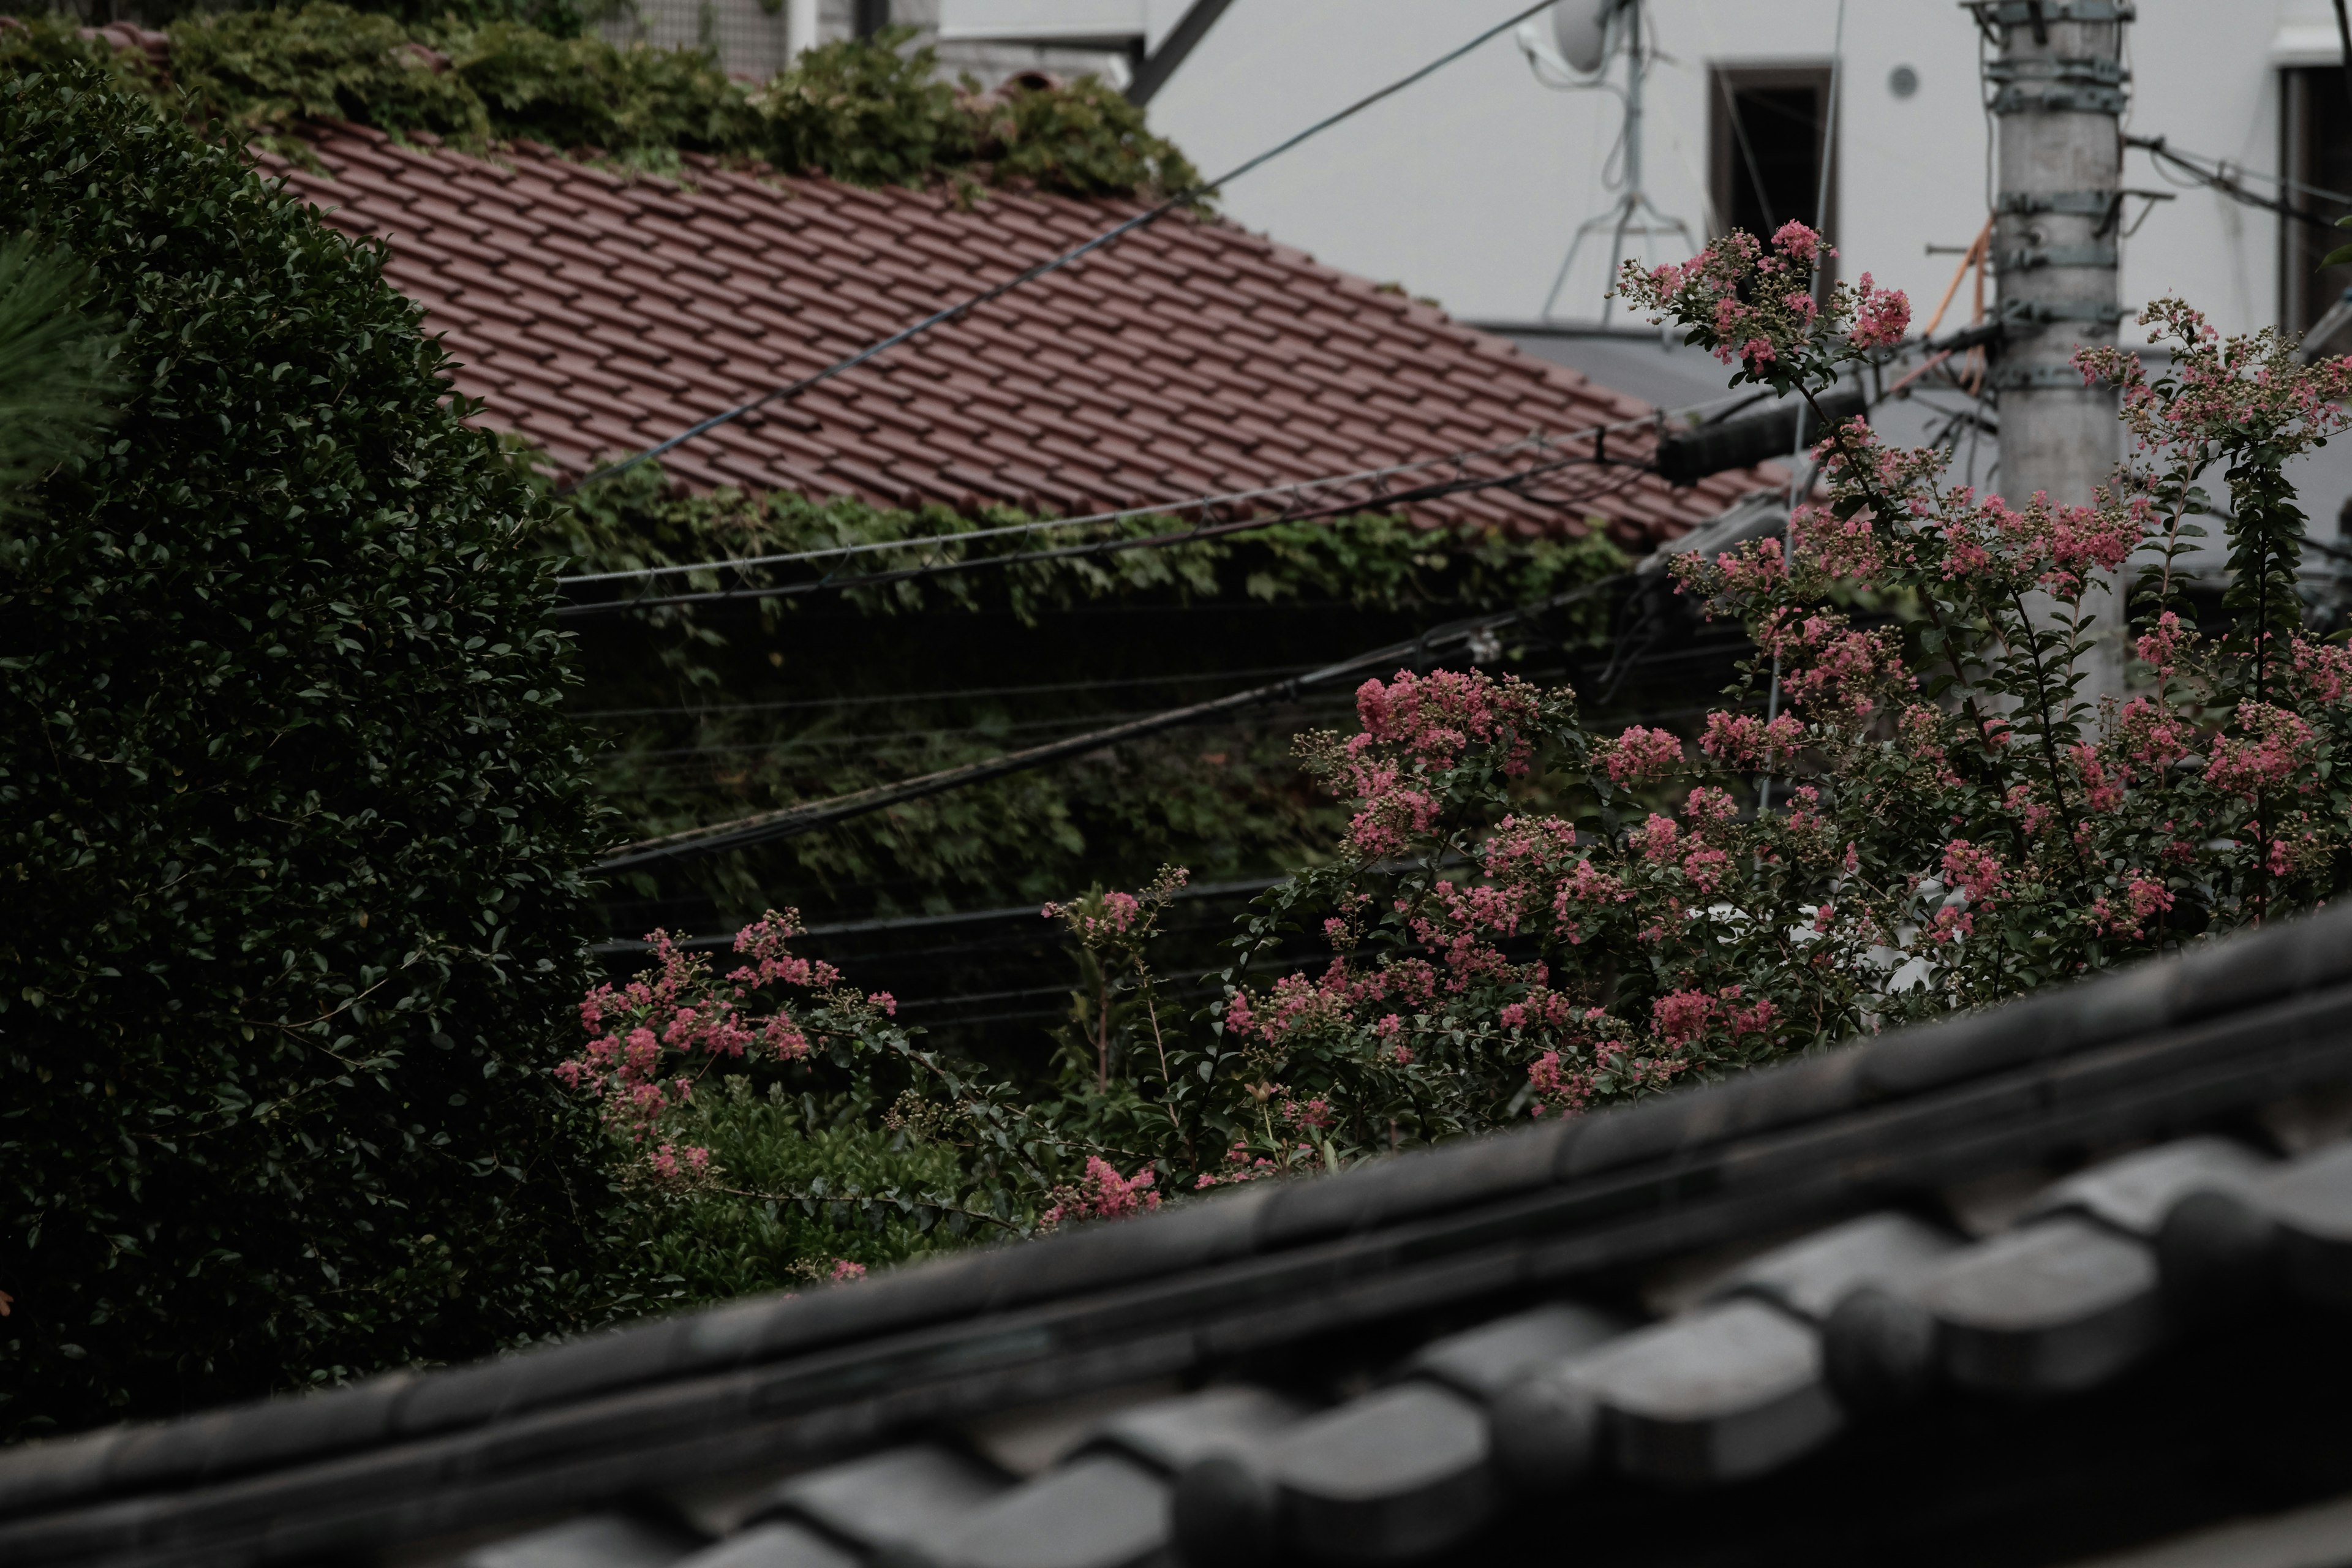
<point x="669" y="760"/>
<point x="1053" y="264"/>
<point x="1536" y="440"/>
<point x="793" y="821"/>
<point x="957" y="694"/>
<point x="802" y="743"/>
<point x="954" y="918"/>
<point x="1159" y="508"/>
<point x="2218" y="177"/>
<point x="830" y="584"/>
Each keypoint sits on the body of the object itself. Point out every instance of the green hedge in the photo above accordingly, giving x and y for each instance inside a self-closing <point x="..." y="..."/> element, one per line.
<point x="293" y="822"/>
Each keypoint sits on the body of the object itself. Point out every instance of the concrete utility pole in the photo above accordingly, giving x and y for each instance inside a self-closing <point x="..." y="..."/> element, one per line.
<point x="2058" y="90"/>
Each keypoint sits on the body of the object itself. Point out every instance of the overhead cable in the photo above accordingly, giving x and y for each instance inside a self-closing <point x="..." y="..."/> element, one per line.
<point x="1534" y="441"/>
<point x="1055" y="264"/>
<point x="1156" y="509"/>
<point x="793" y="821"/>
<point x="956" y="694"/>
<point x="1514" y="481"/>
<point x="2219" y="175"/>
<point x="921" y="923"/>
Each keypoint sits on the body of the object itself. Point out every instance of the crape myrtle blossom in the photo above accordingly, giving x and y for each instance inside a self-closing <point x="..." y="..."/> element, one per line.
<point x="1959" y="825"/>
<point x="1526" y="915"/>
<point x="1102" y="1194"/>
<point x="650" y="1042"/>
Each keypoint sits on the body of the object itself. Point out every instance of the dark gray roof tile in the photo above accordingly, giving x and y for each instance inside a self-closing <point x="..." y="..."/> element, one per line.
<point x="2255" y="966"/>
<point x="1990" y="1202"/>
<point x="1397" y="1474"/>
<point x="1626" y="1135"/>
<point x="37" y="1474"/>
<point x="2134" y="1193"/>
<point x="777" y="1544"/>
<point x="1100" y="1511"/>
<point x="1011" y="1274"/>
<point x="1809" y="1277"/>
<point x="513" y="1384"/>
<point x="2218" y="1253"/>
<point x="1223" y="1515"/>
<point x="2310" y="1201"/>
<point x="1947" y="1050"/>
<point x="1173" y="1434"/>
<point x="2307" y="1123"/>
<point x="1881" y="1350"/>
<point x="2060" y="1305"/>
<point x="1727" y="1391"/>
<point x="905" y="1499"/>
<point x="1547" y="1433"/>
<point x="254" y="1436"/>
<point x="596" y="1541"/>
<point x="1427" y="1181"/>
<point x="1485" y="1362"/>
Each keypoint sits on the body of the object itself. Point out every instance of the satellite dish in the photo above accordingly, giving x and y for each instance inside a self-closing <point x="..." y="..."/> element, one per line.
<point x="1580" y="28"/>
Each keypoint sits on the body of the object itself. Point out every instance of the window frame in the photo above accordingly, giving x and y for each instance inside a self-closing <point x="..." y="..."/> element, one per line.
<point x="1726" y="163"/>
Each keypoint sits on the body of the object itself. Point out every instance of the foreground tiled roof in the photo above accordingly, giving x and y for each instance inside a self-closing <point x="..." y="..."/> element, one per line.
<point x="2056" y="1280"/>
<point x="596" y="314"/>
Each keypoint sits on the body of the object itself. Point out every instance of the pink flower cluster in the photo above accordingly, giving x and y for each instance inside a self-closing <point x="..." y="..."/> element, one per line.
<point x="679" y="1164"/>
<point x="1239" y="1166"/>
<point x="648" y="1040"/>
<point x="1432" y="718"/>
<point x="1881" y="317"/>
<point x="2144" y="899"/>
<point x="2272" y="749"/>
<point x="1641" y="756"/>
<point x="1745" y="740"/>
<point x="1975" y="870"/>
<point x="1682" y="1016"/>
<point x="1102" y="1194"/>
<point x="1116" y="916"/>
<point x="1758" y="305"/>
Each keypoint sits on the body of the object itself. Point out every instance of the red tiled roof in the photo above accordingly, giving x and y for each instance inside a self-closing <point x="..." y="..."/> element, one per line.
<point x="596" y="314"/>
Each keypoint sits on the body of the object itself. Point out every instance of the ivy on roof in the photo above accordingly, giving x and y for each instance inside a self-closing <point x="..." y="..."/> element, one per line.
<point x="865" y="111"/>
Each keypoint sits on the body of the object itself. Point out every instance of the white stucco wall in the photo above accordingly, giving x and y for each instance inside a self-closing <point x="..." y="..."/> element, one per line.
<point x="1468" y="186"/>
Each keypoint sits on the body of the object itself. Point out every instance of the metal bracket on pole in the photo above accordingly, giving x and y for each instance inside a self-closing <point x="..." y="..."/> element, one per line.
<point x="2059" y="67"/>
<point x="2061" y="100"/>
<point x="2017" y="13"/>
<point x="2082" y="203"/>
<point x="2041" y="313"/>
<point x="2031" y="258"/>
<point x="2041" y="377"/>
<point x="2076" y="84"/>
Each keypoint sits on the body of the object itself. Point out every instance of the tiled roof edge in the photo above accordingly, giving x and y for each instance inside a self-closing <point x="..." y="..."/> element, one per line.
<point x="1555" y="1178"/>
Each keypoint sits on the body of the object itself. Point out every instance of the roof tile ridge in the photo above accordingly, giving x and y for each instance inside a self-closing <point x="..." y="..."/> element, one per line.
<point x="2244" y="970"/>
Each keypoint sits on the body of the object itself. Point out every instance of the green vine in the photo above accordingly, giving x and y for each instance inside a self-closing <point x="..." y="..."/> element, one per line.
<point x="716" y="712"/>
<point x="868" y="111"/>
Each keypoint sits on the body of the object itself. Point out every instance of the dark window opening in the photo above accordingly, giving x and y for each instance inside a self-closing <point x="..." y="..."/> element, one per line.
<point x="873" y="15"/>
<point x="2317" y="130"/>
<point x="1768" y="124"/>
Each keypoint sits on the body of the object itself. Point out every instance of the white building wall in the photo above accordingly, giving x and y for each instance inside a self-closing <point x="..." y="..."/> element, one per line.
<point x="1468" y="186"/>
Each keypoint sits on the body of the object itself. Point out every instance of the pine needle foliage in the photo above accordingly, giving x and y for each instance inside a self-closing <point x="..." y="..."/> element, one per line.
<point x="56" y="367"/>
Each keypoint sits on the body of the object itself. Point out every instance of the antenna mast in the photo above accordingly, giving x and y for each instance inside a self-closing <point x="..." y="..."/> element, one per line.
<point x="1632" y="214"/>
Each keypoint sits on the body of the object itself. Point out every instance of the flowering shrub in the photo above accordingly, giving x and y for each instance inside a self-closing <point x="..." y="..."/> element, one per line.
<point x="1956" y="822"/>
<point x="1526" y="917"/>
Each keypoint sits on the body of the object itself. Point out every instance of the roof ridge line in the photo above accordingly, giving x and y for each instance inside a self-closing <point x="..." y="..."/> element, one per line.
<point x="1657" y="1164"/>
